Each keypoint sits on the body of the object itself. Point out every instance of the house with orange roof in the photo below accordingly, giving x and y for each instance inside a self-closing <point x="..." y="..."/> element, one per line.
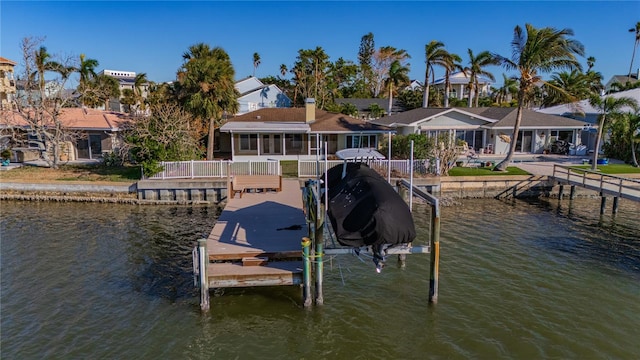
<point x="92" y="132"/>
<point x="294" y="133"/>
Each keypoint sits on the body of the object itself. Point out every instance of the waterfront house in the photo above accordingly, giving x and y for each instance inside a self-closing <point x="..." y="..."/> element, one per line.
<point x="293" y="133"/>
<point x="582" y="110"/>
<point x="91" y="132"/>
<point x="487" y="129"/>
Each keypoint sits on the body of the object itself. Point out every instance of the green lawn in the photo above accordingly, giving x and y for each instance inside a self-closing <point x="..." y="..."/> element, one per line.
<point x="613" y="168"/>
<point x="484" y="171"/>
<point x="97" y="172"/>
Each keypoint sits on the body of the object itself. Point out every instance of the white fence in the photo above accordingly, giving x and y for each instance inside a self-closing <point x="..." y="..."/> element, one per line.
<point x="398" y="167"/>
<point x="310" y="168"/>
<point x="215" y="169"/>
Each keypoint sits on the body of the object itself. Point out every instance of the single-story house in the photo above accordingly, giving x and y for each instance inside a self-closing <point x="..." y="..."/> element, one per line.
<point x="92" y="132"/>
<point x="254" y="95"/>
<point x="582" y="110"/>
<point x="488" y="129"/>
<point x="293" y="133"/>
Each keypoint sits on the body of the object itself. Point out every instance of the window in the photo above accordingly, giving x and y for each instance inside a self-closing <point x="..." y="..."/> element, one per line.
<point x="248" y="142"/>
<point x="362" y="141"/>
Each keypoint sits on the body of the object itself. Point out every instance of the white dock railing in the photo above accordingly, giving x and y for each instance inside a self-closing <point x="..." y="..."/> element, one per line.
<point x="398" y="167"/>
<point x="215" y="169"/>
<point x="306" y="168"/>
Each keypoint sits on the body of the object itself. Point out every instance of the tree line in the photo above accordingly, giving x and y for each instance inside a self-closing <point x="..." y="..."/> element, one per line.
<point x="204" y="95"/>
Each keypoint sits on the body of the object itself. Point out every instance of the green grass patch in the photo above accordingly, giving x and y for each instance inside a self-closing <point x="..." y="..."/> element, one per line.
<point x="484" y="171"/>
<point x="613" y="168"/>
<point x="92" y="172"/>
<point x="289" y="168"/>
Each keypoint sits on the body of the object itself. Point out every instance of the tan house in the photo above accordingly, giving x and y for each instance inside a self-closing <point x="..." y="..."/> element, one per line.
<point x="7" y="83"/>
<point x="294" y="133"/>
<point x="92" y="132"/>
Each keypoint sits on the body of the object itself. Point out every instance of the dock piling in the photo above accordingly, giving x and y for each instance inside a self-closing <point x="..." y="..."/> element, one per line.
<point x="306" y="272"/>
<point x="603" y="202"/>
<point x="204" y="284"/>
<point x="615" y="205"/>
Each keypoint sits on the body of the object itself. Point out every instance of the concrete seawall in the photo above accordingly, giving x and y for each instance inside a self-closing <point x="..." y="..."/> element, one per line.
<point x="214" y="191"/>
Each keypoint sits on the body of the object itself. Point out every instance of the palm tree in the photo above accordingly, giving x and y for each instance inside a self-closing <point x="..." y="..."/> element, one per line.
<point x="87" y="74"/>
<point x="538" y="51"/>
<point x="475" y="69"/>
<point x="608" y="107"/>
<point x="509" y="88"/>
<point x="256" y="62"/>
<point x="398" y="76"/>
<point x="635" y="30"/>
<point x="591" y="61"/>
<point x="434" y="54"/>
<point x="451" y="64"/>
<point x="283" y="69"/>
<point x="206" y="79"/>
<point x="630" y="122"/>
<point x="86" y="70"/>
<point x="566" y="87"/>
<point x="43" y="64"/>
<point x="140" y="81"/>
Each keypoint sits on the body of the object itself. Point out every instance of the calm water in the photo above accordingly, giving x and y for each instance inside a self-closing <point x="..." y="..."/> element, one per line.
<point x="526" y="280"/>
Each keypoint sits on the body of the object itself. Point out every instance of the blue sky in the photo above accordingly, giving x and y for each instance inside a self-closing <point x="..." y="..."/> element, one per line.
<point x="151" y="36"/>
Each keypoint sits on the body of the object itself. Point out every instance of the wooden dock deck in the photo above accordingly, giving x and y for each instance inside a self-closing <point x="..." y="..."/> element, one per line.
<point x="259" y="227"/>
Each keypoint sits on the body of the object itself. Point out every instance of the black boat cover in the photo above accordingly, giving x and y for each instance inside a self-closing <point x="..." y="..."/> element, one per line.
<point x="365" y="209"/>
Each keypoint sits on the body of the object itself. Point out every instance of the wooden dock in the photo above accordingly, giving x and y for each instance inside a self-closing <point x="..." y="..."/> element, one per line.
<point x="257" y="239"/>
<point x="266" y="239"/>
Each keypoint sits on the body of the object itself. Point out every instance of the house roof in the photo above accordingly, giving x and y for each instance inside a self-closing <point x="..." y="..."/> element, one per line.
<point x="73" y="118"/>
<point x="496" y="117"/>
<point x="459" y="77"/>
<point x="583" y="109"/>
<point x="5" y="61"/>
<point x="325" y="122"/>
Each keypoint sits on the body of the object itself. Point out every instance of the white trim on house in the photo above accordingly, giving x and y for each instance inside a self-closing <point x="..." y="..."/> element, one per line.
<point x="265" y="127"/>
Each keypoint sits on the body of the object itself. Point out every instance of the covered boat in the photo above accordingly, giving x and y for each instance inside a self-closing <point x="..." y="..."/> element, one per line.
<point x="365" y="210"/>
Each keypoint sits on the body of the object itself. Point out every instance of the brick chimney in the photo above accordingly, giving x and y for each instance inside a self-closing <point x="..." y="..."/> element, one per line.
<point x="310" y="110"/>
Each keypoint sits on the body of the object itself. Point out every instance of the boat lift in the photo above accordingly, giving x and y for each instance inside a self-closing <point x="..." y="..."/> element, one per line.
<point x="314" y="249"/>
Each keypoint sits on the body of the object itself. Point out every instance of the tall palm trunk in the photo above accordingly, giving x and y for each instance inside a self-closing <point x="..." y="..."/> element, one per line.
<point x="477" y="94"/>
<point x="502" y="166"/>
<point x="594" y="165"/>
<point x="390" y="97"/>
<point x="634" y="159"/>
<point x="425" y="99"/>
<point x="470" y="102"/>
<point x="210" y="140"/>
<point x="447" y="88"/>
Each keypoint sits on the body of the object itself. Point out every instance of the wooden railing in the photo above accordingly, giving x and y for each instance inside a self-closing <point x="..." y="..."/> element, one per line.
<point x="619" y="186"/>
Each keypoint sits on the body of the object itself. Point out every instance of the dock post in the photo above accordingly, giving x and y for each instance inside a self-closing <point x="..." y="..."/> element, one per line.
<point x="402" y="260"/>
<point x="572" y="193"/>
<point x="615" y="205"/>
<point x="306" y="272"/>
<point x="435" y="253"/>
<point x="603" y="202"/>
<point x="561" y="192"/>
<point x="319" y="255"/>
<point x="204" y="283"/>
